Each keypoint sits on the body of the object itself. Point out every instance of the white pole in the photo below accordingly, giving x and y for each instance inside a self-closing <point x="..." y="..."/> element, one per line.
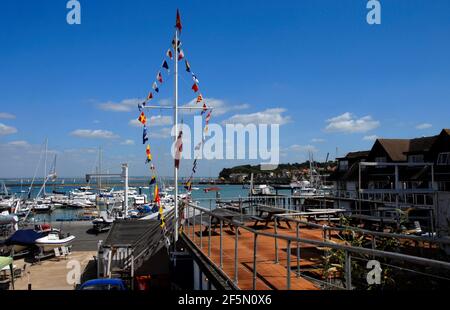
<point x="125" y="176"/>
<point x="175" y="172"/>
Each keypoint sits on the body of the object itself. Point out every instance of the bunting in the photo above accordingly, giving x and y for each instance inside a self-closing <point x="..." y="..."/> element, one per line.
<point x="142" y="118"/>
<point x="165" y="65"/>
<point x="149" y="154"/>
<point x="178" y="149"/>
<point x="199" y="98"/>
<point x="180" y="54"/>
<point x="195" y="88"/>
<point x="205" y="108"/>
<point x="169" y="53"/>
<point x="155" y="87"/>
<point x="159" y="77"/>
<point x="194" y="77"/>
<point x="188" y="66"/>
<point x="144" y="135"/>
<point x="152" y="180"/>
<point x="178" y="23"/>
<point x="150" y="96"/>
<point x="141" y="106"/>
<point x="194" y="168"/>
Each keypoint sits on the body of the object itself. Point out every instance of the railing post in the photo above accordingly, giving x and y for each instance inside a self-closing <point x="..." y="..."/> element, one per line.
<point x="209" y="237"/>
<point x="220" y="244"/>
<point x="193" y="230"/>
<point x="236" y="255"/>
<point x="201" y="229"/>
<point x="288" y="266"/>
<point x="298" y="249"/>
<point x="255" y="239"/>
<point x="275" y="222"/>
<point x="348" y="270"/>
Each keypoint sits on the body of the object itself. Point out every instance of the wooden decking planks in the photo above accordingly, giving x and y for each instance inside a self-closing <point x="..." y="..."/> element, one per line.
<point x="270" y="275"/>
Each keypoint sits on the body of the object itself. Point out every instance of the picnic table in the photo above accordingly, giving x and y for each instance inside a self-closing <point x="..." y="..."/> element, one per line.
<point x="270" y="212"/>
<point x="227" y="214"/>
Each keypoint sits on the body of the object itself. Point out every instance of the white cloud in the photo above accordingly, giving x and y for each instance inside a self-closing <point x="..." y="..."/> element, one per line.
<point x="219" y="106"/>
<point x="5" y="115"/>
<point x="160" y="133"/>
<point x="424" y="126"/>
<point x="154" y="121"/>
<point x="303" y="148"/>
<point x="6" y="130"/>
<point x="370" y="138"/>
<point x="349" y="123"/>
<point x="317" y="140"/>
<point x="19" y="143"/>
<point x="128" y="142"/>
<point x="125" y="105"/>
<point x="94" y="134"/>
<point x="269" y="116"/>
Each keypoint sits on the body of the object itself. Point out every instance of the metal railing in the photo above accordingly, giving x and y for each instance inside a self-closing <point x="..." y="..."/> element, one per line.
<point x="351" y="253"/>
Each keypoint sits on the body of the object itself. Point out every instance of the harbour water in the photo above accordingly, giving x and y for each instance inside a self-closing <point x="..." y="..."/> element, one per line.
<point x="226" y="192"/>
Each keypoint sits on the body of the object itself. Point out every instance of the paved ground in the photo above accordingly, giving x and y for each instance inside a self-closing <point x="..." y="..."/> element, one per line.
<point x="52" y="274"/>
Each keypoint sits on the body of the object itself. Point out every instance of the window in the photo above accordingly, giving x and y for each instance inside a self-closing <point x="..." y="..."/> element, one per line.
<point x="443" y="158"/>
<point x="381" y="160"/>
<point x="343" y="165"/>
<point x="416" y="158"/>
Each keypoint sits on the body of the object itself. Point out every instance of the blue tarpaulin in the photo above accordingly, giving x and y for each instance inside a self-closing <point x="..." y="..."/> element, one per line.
<point x="23" y="237"/>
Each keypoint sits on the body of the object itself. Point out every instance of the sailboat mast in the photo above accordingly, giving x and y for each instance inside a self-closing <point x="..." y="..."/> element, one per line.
<point x="45" y="164"/>
<point x="175" y="117"/>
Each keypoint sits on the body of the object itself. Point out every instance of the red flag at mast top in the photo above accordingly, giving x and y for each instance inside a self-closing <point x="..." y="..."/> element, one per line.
<point x="178" y="24"/>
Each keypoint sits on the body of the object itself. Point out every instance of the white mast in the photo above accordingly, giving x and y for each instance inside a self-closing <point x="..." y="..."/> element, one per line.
<point x="45" y="164"/>
<point x="175" y="116"/>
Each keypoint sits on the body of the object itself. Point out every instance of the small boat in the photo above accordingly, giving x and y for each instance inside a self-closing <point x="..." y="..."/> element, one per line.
<point x="103" y="222"/>
<point x="211" y="189"/>
<point x="103" y="285"/>
<point x="53" y="240"/>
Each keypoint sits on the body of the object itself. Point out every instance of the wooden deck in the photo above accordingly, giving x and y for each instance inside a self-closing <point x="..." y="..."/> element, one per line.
<point x="270" y="275"/>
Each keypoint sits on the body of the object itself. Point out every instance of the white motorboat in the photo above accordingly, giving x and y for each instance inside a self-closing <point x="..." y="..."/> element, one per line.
<point x="54" y="240"/>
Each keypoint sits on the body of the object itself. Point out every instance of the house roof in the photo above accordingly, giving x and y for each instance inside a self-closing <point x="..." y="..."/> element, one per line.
<point x="353" y="155"/>
<point x="395" y="148"/>
<point x="421" y="144"/>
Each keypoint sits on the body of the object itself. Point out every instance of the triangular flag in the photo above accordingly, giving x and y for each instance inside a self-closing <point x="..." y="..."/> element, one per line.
<point x="150" y="96"/>
<point x="194" y="77"/>
<point x="199" y="98"/>
<point x="169" y="52"/>
<point x="149" y="155"/>
<point x="140" y="106"/>
<point x="159" y="77"/>
<point x="205" y="108"/>
<point x="195" y="88"/>
<point x="142" y="118"/>
<point x="144" y="135"/>
<point x="152" y="180"/>
<point x="165" y="65"/>
<point x="208" y="117"/>
<point x="194" y="168"/>
<point x="178" y="23"/>
<point x="188" y="66"/>
<point x="178" y="149"/>
<point x="155" y="87"/>
<point x="180" y="54"/>
<point x="156" y="194"/>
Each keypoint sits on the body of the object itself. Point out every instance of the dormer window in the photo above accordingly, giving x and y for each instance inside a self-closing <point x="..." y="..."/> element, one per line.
<point x="443" y="159"/>
<point x="343" y="165"/>
<point x="381" y="160"/>
<point x="416" y="158"/>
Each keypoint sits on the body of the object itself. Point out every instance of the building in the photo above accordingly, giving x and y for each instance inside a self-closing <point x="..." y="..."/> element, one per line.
<point x="398" y="174"/>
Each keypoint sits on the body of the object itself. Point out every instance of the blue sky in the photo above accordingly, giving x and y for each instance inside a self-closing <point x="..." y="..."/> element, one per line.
<point x="335" y="80"/>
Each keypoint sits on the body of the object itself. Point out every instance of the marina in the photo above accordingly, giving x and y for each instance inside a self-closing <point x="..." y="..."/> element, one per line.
<point x="164" y="214"/>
